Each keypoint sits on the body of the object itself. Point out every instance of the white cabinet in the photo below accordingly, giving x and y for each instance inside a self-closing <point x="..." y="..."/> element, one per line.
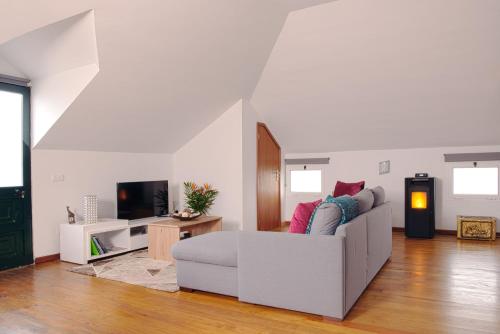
<point x="116" y="235"/>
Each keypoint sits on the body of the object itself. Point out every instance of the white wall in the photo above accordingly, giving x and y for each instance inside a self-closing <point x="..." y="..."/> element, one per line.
<point x="7" y="69"/>
<point x="215" y="156"/>
<point x="249" y="125"/>
<point x="84" y="173"/>
<point x="363" y="165"/>
<point x="224" y="154"/>
<point x="52" y="95"/>
<point x="60" y="59"/>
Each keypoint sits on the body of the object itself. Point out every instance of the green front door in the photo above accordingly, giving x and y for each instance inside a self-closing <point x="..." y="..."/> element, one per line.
<point x="16" y="247"/>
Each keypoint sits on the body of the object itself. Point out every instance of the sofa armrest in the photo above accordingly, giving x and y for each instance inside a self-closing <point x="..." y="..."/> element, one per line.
<point x="379" y="231"/>
<point x="293" y="271"/>
<point x="356" y="259"/>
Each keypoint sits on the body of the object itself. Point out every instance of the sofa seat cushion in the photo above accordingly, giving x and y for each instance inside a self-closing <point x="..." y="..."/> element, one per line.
<point x="218" y="248"/>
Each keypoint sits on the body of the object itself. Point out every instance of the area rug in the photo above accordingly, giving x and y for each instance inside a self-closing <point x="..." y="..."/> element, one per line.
<point x="134" y="268"/>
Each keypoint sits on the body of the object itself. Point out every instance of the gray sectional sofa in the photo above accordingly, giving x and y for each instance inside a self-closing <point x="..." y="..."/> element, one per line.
<point x="319" y="274"/>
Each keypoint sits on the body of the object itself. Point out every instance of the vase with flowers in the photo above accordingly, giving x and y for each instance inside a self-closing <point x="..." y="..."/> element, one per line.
<point x="199" y="198"/>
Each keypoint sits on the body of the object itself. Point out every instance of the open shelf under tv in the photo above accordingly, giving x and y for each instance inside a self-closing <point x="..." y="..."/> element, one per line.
<point x="117" y="235"/>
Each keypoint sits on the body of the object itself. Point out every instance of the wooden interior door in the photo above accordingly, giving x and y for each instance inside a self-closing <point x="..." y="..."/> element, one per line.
<point x="268" y="180"/>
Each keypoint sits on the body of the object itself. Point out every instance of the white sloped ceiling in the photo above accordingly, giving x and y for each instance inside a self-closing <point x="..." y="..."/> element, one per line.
<point x="60" y="59"/>
<point x="364" y="74"/>
<point x="167" y="69"/>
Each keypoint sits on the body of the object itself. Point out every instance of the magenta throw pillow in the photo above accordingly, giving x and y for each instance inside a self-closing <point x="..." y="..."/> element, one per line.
<point x="351" y="189"/>
<point x="301" y="216"/>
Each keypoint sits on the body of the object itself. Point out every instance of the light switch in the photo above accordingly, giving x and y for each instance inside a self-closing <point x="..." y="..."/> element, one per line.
<point x="58" y="178"/>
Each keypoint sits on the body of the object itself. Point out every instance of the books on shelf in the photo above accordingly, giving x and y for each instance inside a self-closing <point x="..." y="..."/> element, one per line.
<point x="93" y="248"/>
<point x="97" y="247"/>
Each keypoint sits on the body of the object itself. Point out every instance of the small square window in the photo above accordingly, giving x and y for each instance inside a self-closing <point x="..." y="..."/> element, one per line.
<point x="477" y="181"/>
<point x="305" y="181"/>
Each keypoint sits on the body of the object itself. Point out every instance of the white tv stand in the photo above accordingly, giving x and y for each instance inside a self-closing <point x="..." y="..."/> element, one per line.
<point x="118" y="235"/>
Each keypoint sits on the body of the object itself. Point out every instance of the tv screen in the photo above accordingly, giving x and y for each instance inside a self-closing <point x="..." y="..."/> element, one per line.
<point x="138" y="200"/>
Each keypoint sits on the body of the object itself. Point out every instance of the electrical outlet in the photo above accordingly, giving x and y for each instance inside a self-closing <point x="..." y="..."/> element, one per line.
<point x="58" y="178"/>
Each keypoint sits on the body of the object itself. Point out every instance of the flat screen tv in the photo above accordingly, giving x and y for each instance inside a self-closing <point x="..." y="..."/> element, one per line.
<point x="138" y="200"/>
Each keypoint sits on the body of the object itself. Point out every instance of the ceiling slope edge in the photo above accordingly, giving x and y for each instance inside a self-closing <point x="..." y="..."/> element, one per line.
<point x="52" y="96"/>
<point x="6" y="68"/>
<point x="61" y="59"/>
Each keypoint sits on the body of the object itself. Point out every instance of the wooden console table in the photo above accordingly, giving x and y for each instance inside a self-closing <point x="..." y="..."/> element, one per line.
<point x="163" y="234"/>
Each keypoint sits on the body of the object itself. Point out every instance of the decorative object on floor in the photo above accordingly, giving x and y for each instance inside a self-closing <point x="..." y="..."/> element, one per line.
<point x="342" y="188"/>
<point x="199" y="198"/>
<point x="90" y="209"/>
<point x="71" y="216"/>
<point x="134" y="268"/>
<point x="186" y="214"/>
<point x="476" y="228"/>
<point x="419" y="206"/>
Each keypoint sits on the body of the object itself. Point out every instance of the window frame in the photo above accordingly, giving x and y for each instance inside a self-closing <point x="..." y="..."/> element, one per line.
<point x="475" y="196"/>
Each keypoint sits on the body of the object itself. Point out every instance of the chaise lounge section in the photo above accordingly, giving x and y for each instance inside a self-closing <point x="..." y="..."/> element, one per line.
<point x="318" y="274"/>
<point x="208" y="262"/>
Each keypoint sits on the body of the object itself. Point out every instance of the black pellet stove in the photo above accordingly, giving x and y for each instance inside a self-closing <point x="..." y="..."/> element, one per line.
<point x="419" y="206"/>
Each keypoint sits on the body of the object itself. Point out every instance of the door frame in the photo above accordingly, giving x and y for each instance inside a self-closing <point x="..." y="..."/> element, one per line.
<point x="25" y="91"/>
<point x="257" y="170"/>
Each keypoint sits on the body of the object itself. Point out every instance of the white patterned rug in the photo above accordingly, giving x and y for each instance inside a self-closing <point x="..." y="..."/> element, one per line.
<point x="134" y="268"/>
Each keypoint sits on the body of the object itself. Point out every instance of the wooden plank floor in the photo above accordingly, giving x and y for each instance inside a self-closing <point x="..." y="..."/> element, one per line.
<point x="429" y="286"/>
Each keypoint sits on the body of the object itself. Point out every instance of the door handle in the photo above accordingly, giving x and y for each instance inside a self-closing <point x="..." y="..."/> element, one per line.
<point x="20" y="193"/>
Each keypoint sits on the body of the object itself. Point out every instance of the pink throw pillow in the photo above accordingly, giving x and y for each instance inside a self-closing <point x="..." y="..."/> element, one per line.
<point x="301" y="216"/>
<point x="351" y="189"/>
